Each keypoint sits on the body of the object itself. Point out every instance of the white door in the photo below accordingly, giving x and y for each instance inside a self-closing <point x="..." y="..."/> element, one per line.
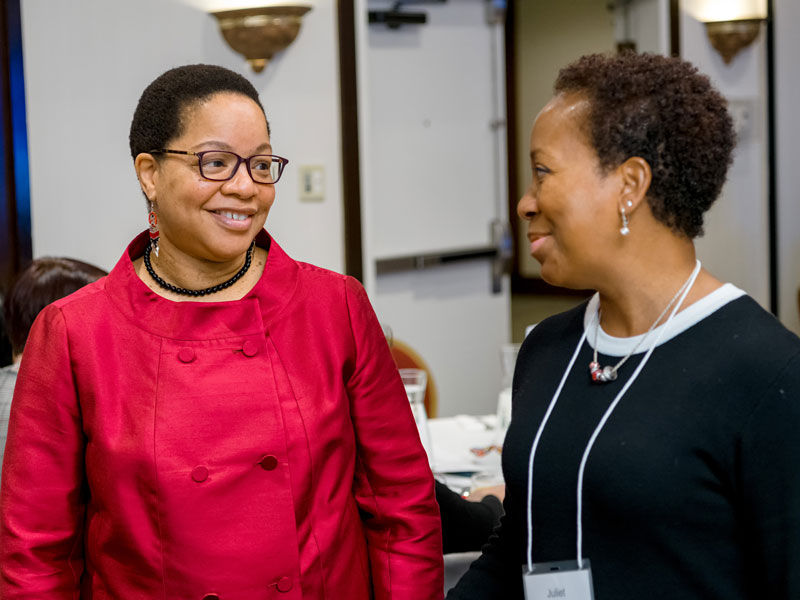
<point x="432" y="137"/>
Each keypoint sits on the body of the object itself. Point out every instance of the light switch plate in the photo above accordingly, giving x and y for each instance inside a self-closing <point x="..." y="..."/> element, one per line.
<point x="312" y="183"/>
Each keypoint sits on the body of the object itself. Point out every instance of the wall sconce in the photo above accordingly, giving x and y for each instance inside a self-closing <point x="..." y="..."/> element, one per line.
<point x="731" y="25"/>
<point x="258" y="33"/>
<point x="729" y="37"/>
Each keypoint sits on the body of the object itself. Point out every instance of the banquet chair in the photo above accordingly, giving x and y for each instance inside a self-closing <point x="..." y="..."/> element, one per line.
<point x="405" y="357"/>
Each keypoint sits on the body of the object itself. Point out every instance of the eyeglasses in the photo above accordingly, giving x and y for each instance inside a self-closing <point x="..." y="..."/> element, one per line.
<point x="220" y="165"/>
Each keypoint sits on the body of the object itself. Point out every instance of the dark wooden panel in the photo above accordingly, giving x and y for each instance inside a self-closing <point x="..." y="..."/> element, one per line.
<point x="772" y="182"/>
<point x="674" y="28"/>
<point x="536" y="285"/>
<point x="351" y="172"/>
<point x="511" y="133"/>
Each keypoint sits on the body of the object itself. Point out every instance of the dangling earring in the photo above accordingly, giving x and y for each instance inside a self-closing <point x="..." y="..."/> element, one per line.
<point x="152" y="218"/>
<point x="624" y="230"/>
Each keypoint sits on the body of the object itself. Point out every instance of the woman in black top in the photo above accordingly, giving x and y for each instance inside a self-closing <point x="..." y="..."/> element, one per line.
<point x="654" y="427"/>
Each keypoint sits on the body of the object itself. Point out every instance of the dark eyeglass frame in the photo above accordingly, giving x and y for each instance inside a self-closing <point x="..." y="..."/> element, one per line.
<point x="239" y="160"/>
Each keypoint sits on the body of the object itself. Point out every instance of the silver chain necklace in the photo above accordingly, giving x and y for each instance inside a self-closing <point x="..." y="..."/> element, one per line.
<point x="608" y="373"/>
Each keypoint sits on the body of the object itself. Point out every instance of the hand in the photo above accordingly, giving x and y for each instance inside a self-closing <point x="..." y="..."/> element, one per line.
<point x="492" y="490"/>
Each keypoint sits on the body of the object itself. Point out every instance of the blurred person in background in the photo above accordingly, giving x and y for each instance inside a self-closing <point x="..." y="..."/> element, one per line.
<point x="652" y="450"/>
<point x="43" y="281"/>
<point x="467" y="522"/>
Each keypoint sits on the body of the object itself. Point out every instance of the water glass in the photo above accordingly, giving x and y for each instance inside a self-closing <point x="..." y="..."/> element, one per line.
<point x="508" y="360"/>
<point x="415" y="381"/>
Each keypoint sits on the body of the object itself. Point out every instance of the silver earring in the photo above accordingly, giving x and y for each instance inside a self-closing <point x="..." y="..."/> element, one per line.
<point x="624" y="230"/>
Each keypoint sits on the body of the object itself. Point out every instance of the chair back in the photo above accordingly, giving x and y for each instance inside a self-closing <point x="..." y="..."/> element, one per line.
<point x="406" y="357"/>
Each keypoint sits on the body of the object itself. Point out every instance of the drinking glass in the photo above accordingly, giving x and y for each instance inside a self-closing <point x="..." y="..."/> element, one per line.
<point x="508" y="360"/>
<point x="415" y="381"/>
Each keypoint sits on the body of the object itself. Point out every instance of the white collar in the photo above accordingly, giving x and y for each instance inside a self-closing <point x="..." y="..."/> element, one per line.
<point x="691" y="315"/>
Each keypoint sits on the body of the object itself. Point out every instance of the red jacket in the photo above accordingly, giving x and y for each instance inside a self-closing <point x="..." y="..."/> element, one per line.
<point x="262" y="448"/>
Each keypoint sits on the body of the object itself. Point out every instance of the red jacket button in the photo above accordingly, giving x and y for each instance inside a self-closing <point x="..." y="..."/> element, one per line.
<point x="200" y="474"/>
<point x="211" y="597"/>
<point x="269" y="462"/>
<point x="250" y="348"/>
<point x="186" y="355"/>
<point x="284" y="584"/>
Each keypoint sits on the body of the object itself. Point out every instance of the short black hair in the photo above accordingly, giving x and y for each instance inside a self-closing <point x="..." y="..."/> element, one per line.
<point x="43" y="281"/>
<point x="663" y="110"/>
<point x="159" y="115"/>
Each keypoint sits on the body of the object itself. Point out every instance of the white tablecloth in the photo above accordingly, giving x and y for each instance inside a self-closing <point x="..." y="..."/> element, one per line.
<point x="454" y="438"/>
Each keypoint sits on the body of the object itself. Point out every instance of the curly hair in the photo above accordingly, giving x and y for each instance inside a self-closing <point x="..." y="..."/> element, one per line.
<point x="662" y="110"/>
<point x="160" y="114"/>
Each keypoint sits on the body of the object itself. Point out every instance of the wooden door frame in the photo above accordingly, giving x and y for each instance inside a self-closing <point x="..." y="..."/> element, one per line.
<point x="521" y="284"/>
<point x="351" y="168"/>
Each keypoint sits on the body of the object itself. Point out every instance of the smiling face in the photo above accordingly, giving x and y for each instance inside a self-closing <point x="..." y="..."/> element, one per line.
<point x="571" y="206"/>
<point x="210" y="220"/>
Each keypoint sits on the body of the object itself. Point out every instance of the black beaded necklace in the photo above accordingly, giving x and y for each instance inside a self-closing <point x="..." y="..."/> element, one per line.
<point x="209" y="290"/>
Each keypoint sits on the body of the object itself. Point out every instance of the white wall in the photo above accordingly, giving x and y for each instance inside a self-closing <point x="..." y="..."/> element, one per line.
<point x="87" y="62"/>
<point x="735" y="246"/>
<point x="787" y="91"/>
<point x="645" y="22"/>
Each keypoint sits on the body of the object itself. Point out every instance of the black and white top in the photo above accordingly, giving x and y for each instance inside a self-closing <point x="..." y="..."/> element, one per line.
<point x="692" y="489"/>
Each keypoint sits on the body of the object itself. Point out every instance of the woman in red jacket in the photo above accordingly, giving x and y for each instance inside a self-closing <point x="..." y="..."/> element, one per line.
<point x="213" y="419"/>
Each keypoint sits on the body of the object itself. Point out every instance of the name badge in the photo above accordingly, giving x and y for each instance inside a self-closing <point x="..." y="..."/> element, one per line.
<point x="561" y="580"/>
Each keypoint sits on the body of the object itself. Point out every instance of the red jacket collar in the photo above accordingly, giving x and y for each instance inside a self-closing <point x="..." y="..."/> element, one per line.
<point x="191" y="320"/>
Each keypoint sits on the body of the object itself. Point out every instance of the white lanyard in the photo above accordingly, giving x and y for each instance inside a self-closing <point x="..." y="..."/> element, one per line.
<point x="599" y="427"/>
